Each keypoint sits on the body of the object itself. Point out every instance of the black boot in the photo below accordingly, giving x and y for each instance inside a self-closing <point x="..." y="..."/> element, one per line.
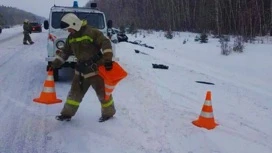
<point x="25" y="43"/>
<point x="63" y="118"/>
<point x="104" y="118"/>
<point x="31" y="42"/>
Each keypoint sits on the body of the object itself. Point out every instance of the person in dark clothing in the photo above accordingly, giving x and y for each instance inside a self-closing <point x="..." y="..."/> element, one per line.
<point x="27" y="32"/>
<point x="85" y="43"/>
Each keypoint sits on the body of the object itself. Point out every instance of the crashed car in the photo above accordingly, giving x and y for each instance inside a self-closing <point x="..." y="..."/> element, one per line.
<point x="122" y="37"/>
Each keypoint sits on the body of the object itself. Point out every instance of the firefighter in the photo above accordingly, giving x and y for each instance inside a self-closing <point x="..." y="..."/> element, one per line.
<point x="27" y="32"/>
<point x="91" y="48"/>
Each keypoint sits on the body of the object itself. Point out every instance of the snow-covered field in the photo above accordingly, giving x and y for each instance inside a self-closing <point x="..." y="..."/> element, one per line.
<point x="155" y="107"/>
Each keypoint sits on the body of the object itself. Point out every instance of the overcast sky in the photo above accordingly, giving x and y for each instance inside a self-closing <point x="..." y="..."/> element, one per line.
<point x="39" y="7"/>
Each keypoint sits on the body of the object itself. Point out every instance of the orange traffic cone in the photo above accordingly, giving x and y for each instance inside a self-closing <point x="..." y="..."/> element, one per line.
<point x="206" y="119"/>
<point x="111" y="78"/>
<point x="48" y="95"/>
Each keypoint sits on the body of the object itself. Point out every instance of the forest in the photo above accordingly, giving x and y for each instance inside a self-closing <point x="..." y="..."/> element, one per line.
<point x="238" y="17"/>
<point x="10" y="16"/>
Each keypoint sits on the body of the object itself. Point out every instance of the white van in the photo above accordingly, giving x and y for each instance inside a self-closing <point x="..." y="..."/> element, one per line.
<point x="57" y="36"/>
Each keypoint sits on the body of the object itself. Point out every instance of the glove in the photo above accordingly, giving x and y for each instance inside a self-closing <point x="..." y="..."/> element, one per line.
<point x="56" y="64"/>
<point x="108" y="65"/>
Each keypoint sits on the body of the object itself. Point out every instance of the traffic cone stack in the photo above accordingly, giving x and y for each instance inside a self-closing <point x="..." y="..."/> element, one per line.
<point x="48" y="95"/>
<point x="206" y="118"/>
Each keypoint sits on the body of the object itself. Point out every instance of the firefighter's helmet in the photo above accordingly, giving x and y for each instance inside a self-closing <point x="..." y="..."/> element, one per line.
<point x="70" y="20"/>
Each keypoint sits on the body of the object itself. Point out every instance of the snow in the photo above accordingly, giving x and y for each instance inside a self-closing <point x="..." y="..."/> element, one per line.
<point x="155" y="107"/>
<point x="10" y="32"/>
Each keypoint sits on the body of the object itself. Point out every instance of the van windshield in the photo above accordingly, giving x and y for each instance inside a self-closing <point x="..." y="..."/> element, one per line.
<point x="95" y="20"/>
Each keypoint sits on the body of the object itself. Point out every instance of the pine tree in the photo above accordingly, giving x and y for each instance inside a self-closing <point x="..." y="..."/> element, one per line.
<point x="203" y="38"/>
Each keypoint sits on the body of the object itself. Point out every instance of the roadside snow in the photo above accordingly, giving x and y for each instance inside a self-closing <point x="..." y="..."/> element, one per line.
<point x="11" y="32"/>
<point x="155" y="107"/>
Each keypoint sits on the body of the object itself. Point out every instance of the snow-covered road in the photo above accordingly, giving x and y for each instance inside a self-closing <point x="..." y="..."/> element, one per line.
<point x="155" y="107"/>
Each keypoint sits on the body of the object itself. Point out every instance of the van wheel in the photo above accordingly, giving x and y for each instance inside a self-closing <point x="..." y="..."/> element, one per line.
<point x="56" y="74"/>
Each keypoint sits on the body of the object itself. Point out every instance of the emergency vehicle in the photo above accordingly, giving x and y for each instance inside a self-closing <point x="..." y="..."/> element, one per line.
<point x="57" y="36"/>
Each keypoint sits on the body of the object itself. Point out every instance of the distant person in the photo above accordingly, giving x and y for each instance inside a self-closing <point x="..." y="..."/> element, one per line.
<point x="27" y="32"/>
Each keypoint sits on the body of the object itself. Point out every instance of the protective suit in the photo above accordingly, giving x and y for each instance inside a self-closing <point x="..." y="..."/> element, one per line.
<point x="86" y="44"/>
<point x="27" y="31"/>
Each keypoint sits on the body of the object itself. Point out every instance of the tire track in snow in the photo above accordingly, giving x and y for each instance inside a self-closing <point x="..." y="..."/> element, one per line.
<point x="26" y="127"/>
<point x="152" y="117"/>
<point x="251" y="134"/>
<point x="10" y="37"/>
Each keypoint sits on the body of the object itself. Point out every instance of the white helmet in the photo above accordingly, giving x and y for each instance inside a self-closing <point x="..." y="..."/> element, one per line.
<point x="70" y="20"/>
<point x="26" y="21"/>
